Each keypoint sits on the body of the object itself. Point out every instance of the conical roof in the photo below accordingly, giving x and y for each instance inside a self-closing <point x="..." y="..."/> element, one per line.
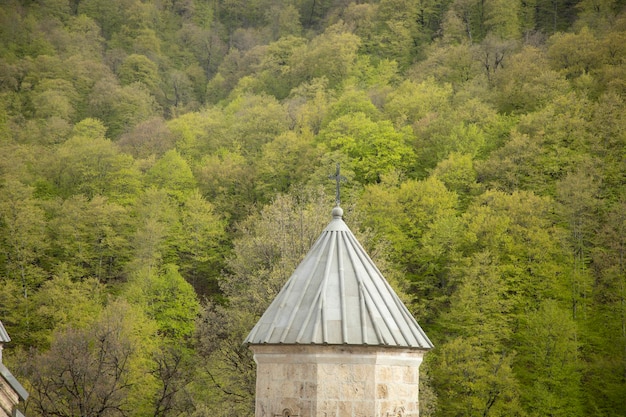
<point x="338" y="296"/>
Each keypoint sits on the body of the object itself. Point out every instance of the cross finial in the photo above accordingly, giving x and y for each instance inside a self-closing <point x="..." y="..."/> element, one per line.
<point x="337" y="177"/>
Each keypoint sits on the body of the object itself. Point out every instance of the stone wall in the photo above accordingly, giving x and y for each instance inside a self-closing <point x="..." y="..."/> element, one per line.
<point x="336" y="381"/>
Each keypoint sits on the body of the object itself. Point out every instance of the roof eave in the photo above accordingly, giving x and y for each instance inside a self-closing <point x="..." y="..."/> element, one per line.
<point x="13" y="383"/>
<point x="389" y="346"/>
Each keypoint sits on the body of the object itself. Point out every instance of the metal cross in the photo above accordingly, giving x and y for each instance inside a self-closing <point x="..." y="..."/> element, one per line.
<point x="337" y="177"/>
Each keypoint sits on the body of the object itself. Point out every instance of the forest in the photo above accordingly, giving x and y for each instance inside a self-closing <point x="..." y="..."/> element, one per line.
<point x="164" y="167"/>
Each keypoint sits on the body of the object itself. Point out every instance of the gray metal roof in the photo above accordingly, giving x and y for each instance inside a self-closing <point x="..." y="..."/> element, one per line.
<point x="4" y="336"/>
<point x="13" y="383"/>
<point x="338" y="296"/>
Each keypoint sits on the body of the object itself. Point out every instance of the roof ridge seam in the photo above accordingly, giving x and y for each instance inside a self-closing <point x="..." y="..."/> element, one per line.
<point x="364" y="293"/>
<point x="360" y="252"/>
<point x="342" y="292"/>
<point x="331" y="253"/>
<point x="294" y="312"/>
<point x="315" y="300"/>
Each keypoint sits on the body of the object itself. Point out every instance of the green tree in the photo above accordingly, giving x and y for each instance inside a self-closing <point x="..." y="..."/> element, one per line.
<point x="517" y="228"/>
<point x="179" y="92"/>
<point x="63" y="304"/>
<point x="23" y="242"/>
<point x="574" y="53"/>
<point x="596" y="13"/>
<point x="419" y="219"/>
<point x="480" y="307"/>
<point x="579" y="210"/>
<point x="412" y="101"/>
<point x="611" y="75"/>
<point x="332" y="55"/>
<point x="513" y="166"/>
<point x="351" y="101"/>
<point x="91" y="165"/>
<point x="273" y="74"/>
<point x="374" y="148"/>
<point x="227" y="179"/>
<point x="55" y="98"/>
<point x="545" y="146"/>
<point x="86" y="36"/>
<point x="458" y="174"/>
<point x="510" y="261"/>
<point x="203" y="246"/>
<point x="139" y="69"/>
<point x="110" y="15"/>
<point x="254" y="121"/>
<point x="552" y="16"/>
<point x="168" y="299"/>
<point x="284" y="20"/>
<point x="157" y="230"/>
<point x="527" y="83"/>
<point x="19" y="316"/>
<point x="477" y="19"/>
<point x="606" y="324"/>
<point x="472" y="380"/>
<point x="285" y="162"/>
<point x="121" y="107"/>
<point x="474" y="371"/>
<point x="606" y="130"/>
<point x="206" y="45"/>
<point x="448" y="63"/>
<point x="548" y="364"/>
<point x="312" y="12"/>
<point x="397" y="33"/>
<point x="311" y="102"/>
<point x="227" y="368"/>
<point x="463" y="138"/>
<point x="172" y="174"/>
<point x="89" y="238"/>
<point x="198" y="134"/>
<point x="502" y="18"/>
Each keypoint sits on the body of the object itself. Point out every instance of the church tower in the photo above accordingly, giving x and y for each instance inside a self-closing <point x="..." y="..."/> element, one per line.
<point x="337" y="341"/>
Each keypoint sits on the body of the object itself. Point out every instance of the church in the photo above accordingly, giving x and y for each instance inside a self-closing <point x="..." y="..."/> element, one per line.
<point x="337" y="341"/>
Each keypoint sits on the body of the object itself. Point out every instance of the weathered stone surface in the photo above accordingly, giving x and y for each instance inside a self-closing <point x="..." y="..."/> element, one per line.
<point x="336" y="381"/>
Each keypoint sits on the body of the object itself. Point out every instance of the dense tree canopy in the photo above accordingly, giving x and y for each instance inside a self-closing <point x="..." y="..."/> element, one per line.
<point x="164" y="167"/>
